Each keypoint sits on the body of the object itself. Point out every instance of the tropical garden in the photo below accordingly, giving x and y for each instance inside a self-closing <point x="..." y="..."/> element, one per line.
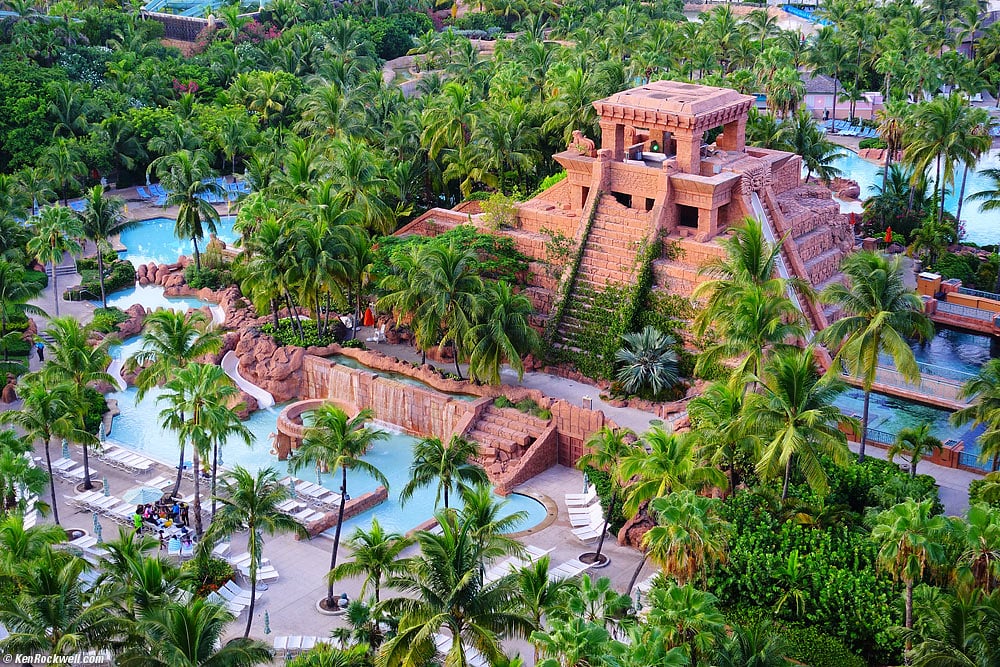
<point x="769" y="541"/>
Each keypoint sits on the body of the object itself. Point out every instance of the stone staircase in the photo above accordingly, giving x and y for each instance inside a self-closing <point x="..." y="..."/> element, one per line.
<point x="609" y="257"/>
<point x="504" y="435"/>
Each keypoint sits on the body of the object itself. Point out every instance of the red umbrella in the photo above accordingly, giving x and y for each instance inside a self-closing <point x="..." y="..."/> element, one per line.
<point x="369" y="318"/>
<point x="888" y="235"/>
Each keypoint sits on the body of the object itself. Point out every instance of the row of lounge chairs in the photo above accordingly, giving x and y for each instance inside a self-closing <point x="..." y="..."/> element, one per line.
<point x="290" y="646"/>
<point x="231" y="596"/>
<point x="313" y="494"/>
<point x="586" y="515"/>
<point x="300" y="512"/>
<point x="67" y="469"/>
<point x="112" y="507"/>
<point x="156" y="195"/>
<point x="243" y="562"/>
<point x="127" y="460"/>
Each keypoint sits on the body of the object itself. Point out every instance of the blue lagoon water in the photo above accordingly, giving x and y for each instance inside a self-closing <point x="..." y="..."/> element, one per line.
<point x="154" y="241"/>
<point x="981" y="228"/>
<point x="350" y="362"/>
<point x="152" y="297"/>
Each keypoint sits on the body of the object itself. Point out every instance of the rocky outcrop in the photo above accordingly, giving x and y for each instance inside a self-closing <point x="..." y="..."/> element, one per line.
<point x="133" y="325"/>
<point x="845" y="188"/>
<point x="631" y="534"/>
<point x="166" y="275"/>
<point x="9" y="393"/>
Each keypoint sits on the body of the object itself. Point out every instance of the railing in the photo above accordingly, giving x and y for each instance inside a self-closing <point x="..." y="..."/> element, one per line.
<point x="881" y="437"/>
<point x="965" y="311"/>
<point x="929" y="386"/>
<point x="934" y="371"/>
<point x="765" y="223"/>
<point x="979" y="293"/>
<point x="972" y="461"/>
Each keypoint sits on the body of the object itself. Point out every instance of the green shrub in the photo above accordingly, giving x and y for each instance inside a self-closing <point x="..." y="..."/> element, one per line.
<point x="354" y="344"/>
<point x="477" y="21"/>
<point x="287" y="333"/>
<point x="96" y="407"/>
<point x="210" y="573"/>
<point x="106" y="320"/>
<point x="90" y="263"/>
<point x="872" y="143"/>
<point x="526" y="405"/>
<point x="39" y="277"/>
<point x="119" y="274"/>
<point x="212" y="278"/>
<point x="863" y="486"/>
<point x="815" y="649"/>
<point x="976" y="493"/>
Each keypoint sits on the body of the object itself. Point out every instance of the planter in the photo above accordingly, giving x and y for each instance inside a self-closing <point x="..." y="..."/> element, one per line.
<point x="599" y="562"/>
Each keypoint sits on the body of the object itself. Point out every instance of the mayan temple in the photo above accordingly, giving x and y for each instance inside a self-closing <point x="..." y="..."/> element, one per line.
<point x="654" y="175"/>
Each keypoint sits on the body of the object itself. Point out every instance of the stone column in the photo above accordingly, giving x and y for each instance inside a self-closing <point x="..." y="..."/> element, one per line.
<point x="734" y="136"/>
<point x="613" y="138"/>
<point x="689" y="152"/>
<point x="708" y="223"/>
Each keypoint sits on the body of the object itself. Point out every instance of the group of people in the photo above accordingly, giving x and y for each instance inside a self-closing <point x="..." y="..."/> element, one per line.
<point x="162" y="514"/>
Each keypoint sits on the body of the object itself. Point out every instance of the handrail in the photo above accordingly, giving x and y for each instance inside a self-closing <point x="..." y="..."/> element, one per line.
<point x="765" y="223"/>
<point x="966" y="311"/>
<point x="979" y="293"/>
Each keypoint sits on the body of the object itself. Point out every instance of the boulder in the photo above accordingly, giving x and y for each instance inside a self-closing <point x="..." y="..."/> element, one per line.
<point x="9" y="393"/>
<point x="631" y="534"/>
<point x="249" y="406"/>
<point x="275" y="369"/>
<point x="133" y="325"/>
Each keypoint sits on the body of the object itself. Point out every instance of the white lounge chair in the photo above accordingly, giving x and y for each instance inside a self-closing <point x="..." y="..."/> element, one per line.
<point x="568" y="570"/>
<point x="589" y="533"/>
<point x="379" y="336"/>
<point x="581" y="499"/>
<point x="594" y="518"/>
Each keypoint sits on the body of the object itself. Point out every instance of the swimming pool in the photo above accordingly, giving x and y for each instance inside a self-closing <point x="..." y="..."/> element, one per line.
<point x="154" y="241"/>
<point x="138" y="428"/>
<point x="980" y="227"/>
<point x="152" y="297"/>
<point x="351" y="362"/>
<point x="955" y="354"/>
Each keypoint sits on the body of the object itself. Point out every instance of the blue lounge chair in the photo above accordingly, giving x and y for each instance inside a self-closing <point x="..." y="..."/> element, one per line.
<point x="141" y="191"/>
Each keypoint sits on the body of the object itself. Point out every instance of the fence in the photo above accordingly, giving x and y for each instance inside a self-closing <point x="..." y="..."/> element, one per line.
<point x="972" y="461"/>
<point x="929" y="386"/>
<point x="979" y="293"/>
<point x="965" y="311"/>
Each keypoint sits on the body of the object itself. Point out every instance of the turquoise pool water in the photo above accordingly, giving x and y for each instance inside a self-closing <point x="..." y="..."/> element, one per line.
<point x="350" y="362"/>
<point x="980" y="227"/>
<point x="955" y="354"/>
<point x="152" y="297"/>
<point x="138" y="428"/>
<point x="154" y="241"/>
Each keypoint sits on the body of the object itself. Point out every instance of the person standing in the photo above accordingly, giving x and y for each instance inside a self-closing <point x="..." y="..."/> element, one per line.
<point x="40" y="349"/>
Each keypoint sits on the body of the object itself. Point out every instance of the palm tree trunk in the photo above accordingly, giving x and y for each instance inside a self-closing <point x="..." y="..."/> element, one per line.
<point x="100" y="276"/>
<point x="197" y="255"/>
<point x="55" y="287"/>
<point x="215" y="468"/>
<point x="180" y="469"/>
<point x="336" y="536"/>
<point x="835" y="80"/>
<point x="197" y="492"/>
<point x="458" y="369"/>
<point x="864" y="426"/>
<point x="940" y="185"/>
<point x="445" y="496"/>
<point x="909" y="615"/>
<point x="607" y="519"/>
<point x="274" y="314"/>
<point x="961" y="195"/>
<point x="52" y="482"/>
<point x="788" y="477"/>
<point x="888" y="161"/>
<point x="87" y="484"/>
<point x="253" y="586"/>
<point x="635" y="575"/>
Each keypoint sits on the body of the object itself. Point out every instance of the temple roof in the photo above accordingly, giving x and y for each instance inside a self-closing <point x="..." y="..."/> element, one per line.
<point x="671" y="104"/>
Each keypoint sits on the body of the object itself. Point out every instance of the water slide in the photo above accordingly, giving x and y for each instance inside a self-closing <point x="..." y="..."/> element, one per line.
<point x="231" y="364"/>
<point x="760" y="213"/>
<point x="115" y="371"/>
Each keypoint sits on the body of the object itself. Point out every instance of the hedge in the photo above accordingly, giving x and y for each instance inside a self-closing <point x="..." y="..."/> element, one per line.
<point x="811" y="647"/>
<point x="106" y="320"/>
<point x="120" y="274"/>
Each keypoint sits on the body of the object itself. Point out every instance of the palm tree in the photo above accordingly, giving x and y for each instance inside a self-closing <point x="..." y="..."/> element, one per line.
<point x="983" y="390"/>
<point x="170" y="341"/>
<point x="64" y="167"/>
<point x="690" y="619"/>
<point x="20" y="546"/>
<point x="804" y="137"/>
<point x="796" y="414"/>
<point x="648" y="362"/>
<point x="450" y="466"/>
<point x="407" y="294"/>
<point x="338" y="441"/>
<point x="720" y="427"/>
<point x="606" y="448"/>
<point x="688" y="536"/>
<point x="954" y="631"/>
<point x="15" y="293"/>
<point x="452" y="287"/>
<point x="135" y="580"/>
<point x="250" y="502"/>
<point x="375" y="555"/>
<point x="909" y="539"/>
<point x="663" y="465"/>
<point x="80" y="364"/>
<point x="186" y="175"/>
<point x="102" y="218"/>
<point x="56" y="233"/>
<point x="502" y="333"/>
<point x="190" y="635"/>
<point x="892" y="123"/>
<point x="198" y="399"/>
<point x="19" y="478"/>
<point x="45" y="414"/>
<point x="757" y="645"/>
<point x="442" y="589"/>
<point x="53" y="615"/>
<point x="538" y="593"/>
<point x="979" y="534"/>
<point x="880" y="314"/>
<point x="915" y="443"/>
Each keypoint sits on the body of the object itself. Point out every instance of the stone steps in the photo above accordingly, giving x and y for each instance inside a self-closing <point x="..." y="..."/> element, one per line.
<point x="504" y="435"/>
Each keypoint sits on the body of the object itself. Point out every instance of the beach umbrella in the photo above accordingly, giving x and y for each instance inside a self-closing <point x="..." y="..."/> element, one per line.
<point x="291" y="486"/>
<point x="319" y="476"/>
<point x="107" y="487"/>
<point x="100" y="432"/>
<point x="267" y="623"/>
<point x="65" y="449"/>
<point x="142" y="495"/>
<point x="586" y="483"/>
<point x="34" y="206"/>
